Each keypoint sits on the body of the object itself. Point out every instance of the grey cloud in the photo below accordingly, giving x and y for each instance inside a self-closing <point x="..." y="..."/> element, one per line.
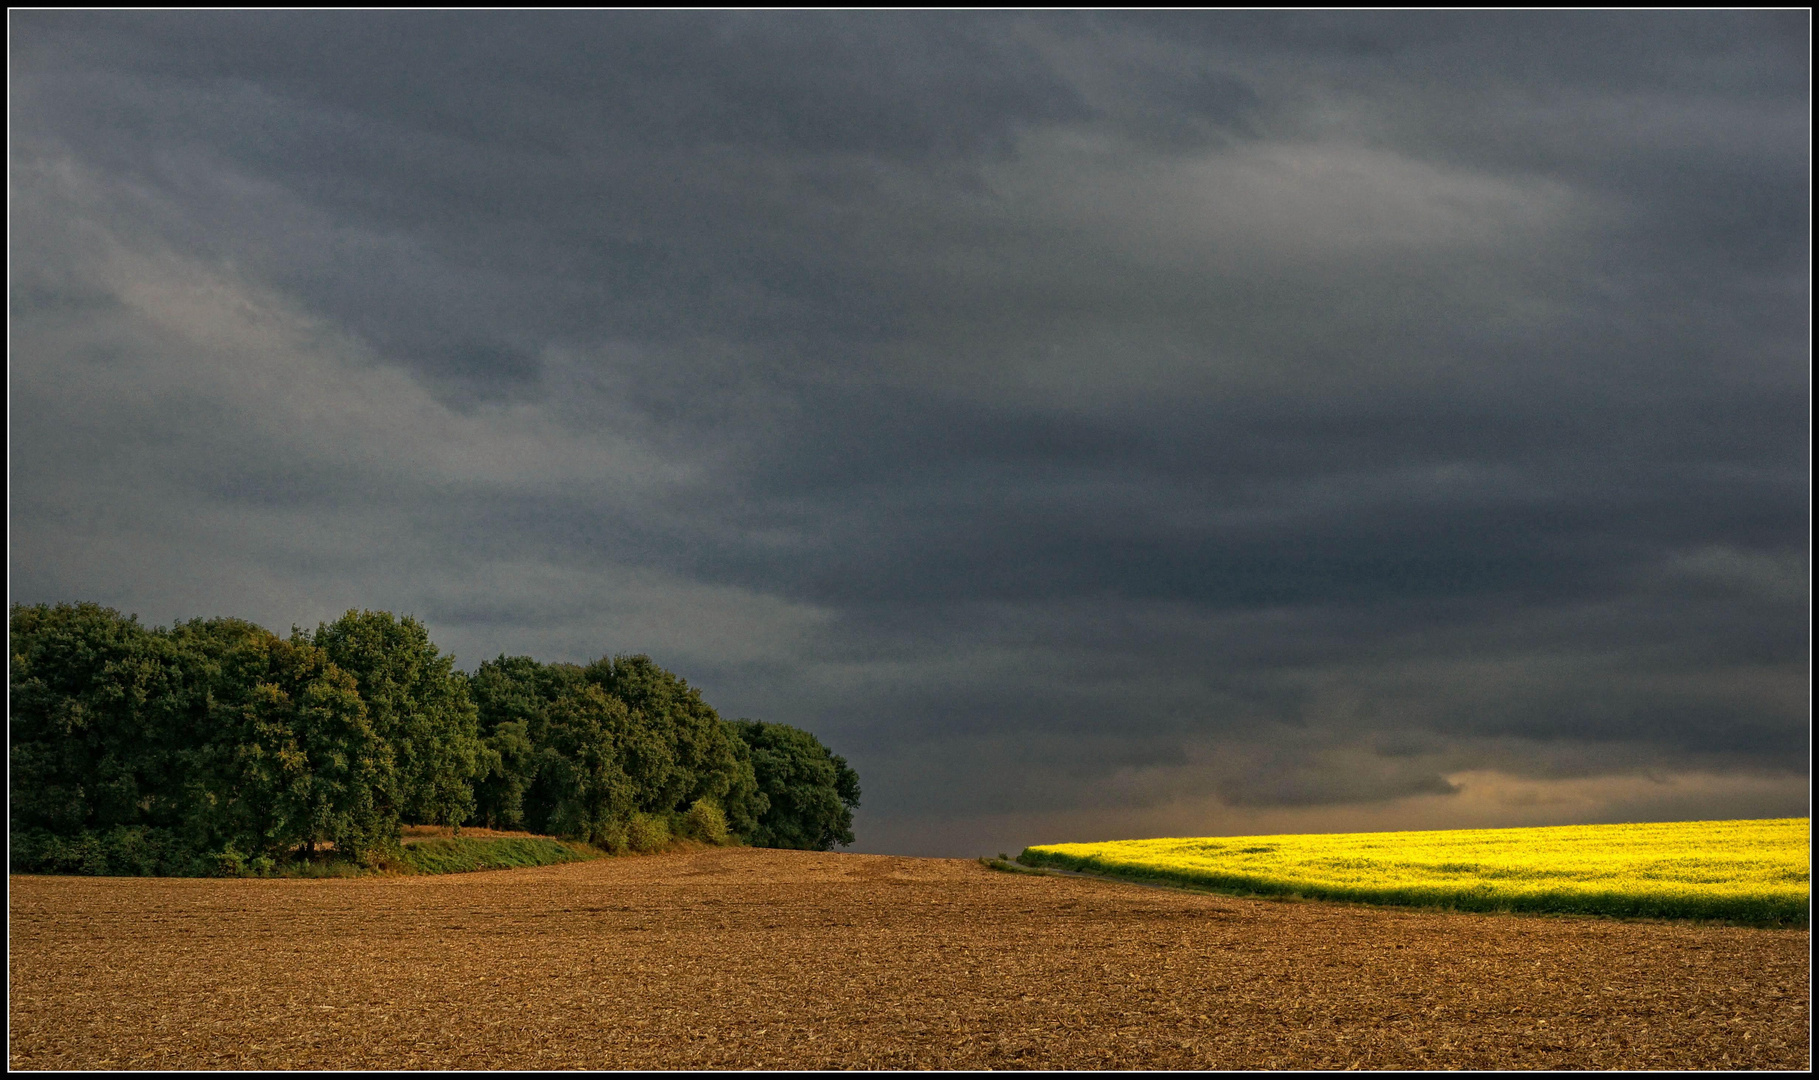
<point x="1063" y="414"/>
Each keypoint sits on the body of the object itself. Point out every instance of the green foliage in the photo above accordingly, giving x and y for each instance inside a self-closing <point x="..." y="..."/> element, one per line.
<point x="509" y="766"/>
<point x="706" y="822"/>
<point x="614" y="837"/>
<point x="87" y="753"/>
<point x="589" y="746"/>
<point x="181" y="750"/>
<point x="512" y="696"/>
<point x="463" y="854"/>
<point x="701" y="758"/>
<point x="419" y="705"/>
<point x="216" y="747"/>
<point x="648" y="832"/>
<point x="304" y="763"/>
<point x="580" y="750"/>
<point x="809" y="790"/>
<point x="123" y="851"/>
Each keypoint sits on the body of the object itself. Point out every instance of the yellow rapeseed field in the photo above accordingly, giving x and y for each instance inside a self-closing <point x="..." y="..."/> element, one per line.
<point x="1744" y="871"/>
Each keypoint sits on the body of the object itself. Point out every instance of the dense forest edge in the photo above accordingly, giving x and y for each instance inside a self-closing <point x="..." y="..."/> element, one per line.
<point x="214" y="747"/>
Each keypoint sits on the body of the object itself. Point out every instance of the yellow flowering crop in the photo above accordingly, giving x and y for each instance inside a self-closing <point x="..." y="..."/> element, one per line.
<point x="1744" y="871"/>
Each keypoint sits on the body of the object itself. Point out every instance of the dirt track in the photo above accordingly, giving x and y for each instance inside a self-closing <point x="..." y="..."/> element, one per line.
<point x="768" y="959"/>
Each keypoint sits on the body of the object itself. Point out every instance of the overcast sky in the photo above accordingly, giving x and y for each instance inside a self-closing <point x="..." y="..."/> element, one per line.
<point x="1090" y="426"/>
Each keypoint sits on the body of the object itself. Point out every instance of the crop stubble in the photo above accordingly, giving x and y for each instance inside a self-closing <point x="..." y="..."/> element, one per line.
<point x="747" y="958"/>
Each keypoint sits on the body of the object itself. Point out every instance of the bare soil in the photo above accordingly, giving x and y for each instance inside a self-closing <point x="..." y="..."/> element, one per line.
<point x="770" y="959"/>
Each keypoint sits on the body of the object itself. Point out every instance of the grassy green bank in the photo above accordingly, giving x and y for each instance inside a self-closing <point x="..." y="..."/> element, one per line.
<point x="1754" y="873"/>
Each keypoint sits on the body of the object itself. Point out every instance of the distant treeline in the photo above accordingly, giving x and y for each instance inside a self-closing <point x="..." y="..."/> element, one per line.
<point x="215" y="746"/>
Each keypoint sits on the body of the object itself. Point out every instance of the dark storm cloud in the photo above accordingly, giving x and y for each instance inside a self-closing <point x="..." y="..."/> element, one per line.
<point x="1062" y="414"/>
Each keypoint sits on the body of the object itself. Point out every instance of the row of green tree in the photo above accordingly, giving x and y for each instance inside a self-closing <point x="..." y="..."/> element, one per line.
<point x="217" y="746"/>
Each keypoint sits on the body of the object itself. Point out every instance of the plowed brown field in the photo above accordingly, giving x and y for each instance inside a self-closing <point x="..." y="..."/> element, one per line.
<point x="743" y="958"/>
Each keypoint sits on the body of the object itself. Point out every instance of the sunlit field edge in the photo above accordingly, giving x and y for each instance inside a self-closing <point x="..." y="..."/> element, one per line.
<point x="1756" y="873"/>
